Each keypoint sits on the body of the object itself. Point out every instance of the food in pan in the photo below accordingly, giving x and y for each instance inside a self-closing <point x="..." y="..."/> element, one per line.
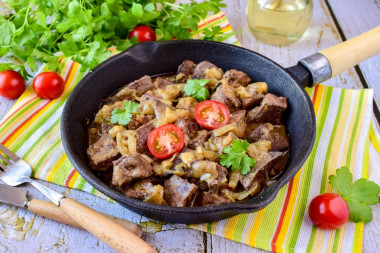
<point x="200" y="137"/>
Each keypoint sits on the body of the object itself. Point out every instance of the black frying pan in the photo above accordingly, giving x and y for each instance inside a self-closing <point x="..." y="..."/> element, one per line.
<point x="153" y="58"/>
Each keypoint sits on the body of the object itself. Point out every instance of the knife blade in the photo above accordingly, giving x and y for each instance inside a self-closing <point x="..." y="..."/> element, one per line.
<point x="19" y="197"/>
<point x="13" y="195"/>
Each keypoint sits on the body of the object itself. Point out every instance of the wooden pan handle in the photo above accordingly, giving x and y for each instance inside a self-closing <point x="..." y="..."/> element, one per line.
<point x="52" y="211"/>
<point x="108" y="231"/>
<point x="349" y="53"/>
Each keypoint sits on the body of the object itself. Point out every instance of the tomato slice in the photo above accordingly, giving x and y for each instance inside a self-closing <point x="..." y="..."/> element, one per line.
<point x="211" y="114"/>
<point x="165" y="141"/>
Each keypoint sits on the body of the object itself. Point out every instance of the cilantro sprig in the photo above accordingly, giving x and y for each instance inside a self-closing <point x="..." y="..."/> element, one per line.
<point x="122" y="117"/>
<point x="34" y="31"/>
<point x="196" y="89"/>
<point x="235" y="157"/>
<point x="358" y="196"/>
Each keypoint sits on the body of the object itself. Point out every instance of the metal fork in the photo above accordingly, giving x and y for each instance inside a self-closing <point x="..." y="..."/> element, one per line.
<point x="17" y="171"/>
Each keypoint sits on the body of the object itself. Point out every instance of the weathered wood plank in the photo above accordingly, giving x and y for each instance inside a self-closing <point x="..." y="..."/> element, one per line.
<point x="354" y="18"/>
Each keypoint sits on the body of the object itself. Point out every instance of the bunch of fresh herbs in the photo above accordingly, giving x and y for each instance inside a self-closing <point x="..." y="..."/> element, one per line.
<point x="33" y="31"/>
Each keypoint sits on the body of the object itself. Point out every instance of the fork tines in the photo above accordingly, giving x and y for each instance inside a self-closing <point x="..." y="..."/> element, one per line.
<point x="9" y="153"/>
<point x="3" y="159"/>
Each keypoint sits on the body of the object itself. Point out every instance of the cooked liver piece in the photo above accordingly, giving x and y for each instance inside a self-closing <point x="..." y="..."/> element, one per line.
<point x="102" y="153"/>
<point x="211" y="198"/>
<point x="226" y="95"/>
<point x="138" y="120"/>
<point x="217" y="172"/>
<point x="279" y="166"/>
<point x="276" y="134"/>
<point x="256" y="95"/>
<point x="161" y="83"/>
<point x="179" y="192"/>
<point x="130" y="167"/>
<point x="252" y="101"/>
<point x="188" y="127"/>
<point x="201" y="68"/>
<point x="142" y="189"/>
<point x="270" y="110"/>
<point x="142" y="85"/>
<point x="185" y="70"/>
<point x="237" y="78"/>
<point x="158" y="105"/>
<point x="199" y="139"/>
<point x="237" y="117"/>
<point x="97" y="130"/>
<point x="222" y="175"/>
<point x="138" y="193"/>
<point x="142" y="137"/>
<point x="263" y="167"/>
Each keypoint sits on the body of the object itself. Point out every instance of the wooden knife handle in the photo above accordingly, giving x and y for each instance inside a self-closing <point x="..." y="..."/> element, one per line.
<point x="52" y="211"/>
<point x="349" y="53"/>
<point x="106" y="230"/>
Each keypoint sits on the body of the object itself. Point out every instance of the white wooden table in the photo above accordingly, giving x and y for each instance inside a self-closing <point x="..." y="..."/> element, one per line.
<point x="332" y="22"/>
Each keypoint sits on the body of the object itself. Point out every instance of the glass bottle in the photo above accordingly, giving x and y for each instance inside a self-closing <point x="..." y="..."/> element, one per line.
<point x="278" y="22"/>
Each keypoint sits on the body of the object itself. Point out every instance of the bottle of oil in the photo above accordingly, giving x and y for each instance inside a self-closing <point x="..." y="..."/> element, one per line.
<point x="278" y="22"/>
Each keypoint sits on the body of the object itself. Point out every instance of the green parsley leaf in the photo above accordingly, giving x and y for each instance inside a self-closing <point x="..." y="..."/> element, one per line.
<point x="359" y="211"/>
<point x="358" y="196"/>
<point x="6" y="30"/>
<point x="97" y="53"/>
<point x="236" y="157"/>
<point x="196" y="89"/>
<point x="342" y="181"/>
<point x="365" y="191"/>
<point x="137" y="10"/>
<point x="122" y="117"/>
<point x="69" y="48"/>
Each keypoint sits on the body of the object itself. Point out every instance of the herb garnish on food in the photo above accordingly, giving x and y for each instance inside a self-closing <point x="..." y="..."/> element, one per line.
<point x="196" y="89"/>
<point x="236" y="157"/>
<point x="357" y="196"/>
<point x="122" y="117"/>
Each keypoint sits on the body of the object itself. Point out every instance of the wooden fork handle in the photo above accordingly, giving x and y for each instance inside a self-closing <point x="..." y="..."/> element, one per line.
<point x="52" y="211"/>
<point x="108" y="231"/>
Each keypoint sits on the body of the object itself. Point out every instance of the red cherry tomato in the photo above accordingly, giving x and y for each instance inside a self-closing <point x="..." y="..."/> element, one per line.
<point x="166" y="140"/>
<point x="329" y="211"/>
<point x="143" y="33"/>
<point x="12" y="85"/>
<point x="48" y="85"/>
<point x="211" y="114"/>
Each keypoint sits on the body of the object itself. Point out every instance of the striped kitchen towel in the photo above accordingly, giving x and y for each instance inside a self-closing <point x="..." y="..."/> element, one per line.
<point x="345" y="136"/>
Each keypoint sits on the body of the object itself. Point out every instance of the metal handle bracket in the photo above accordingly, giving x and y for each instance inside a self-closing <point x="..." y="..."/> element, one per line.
<point x="319" y="67"/>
